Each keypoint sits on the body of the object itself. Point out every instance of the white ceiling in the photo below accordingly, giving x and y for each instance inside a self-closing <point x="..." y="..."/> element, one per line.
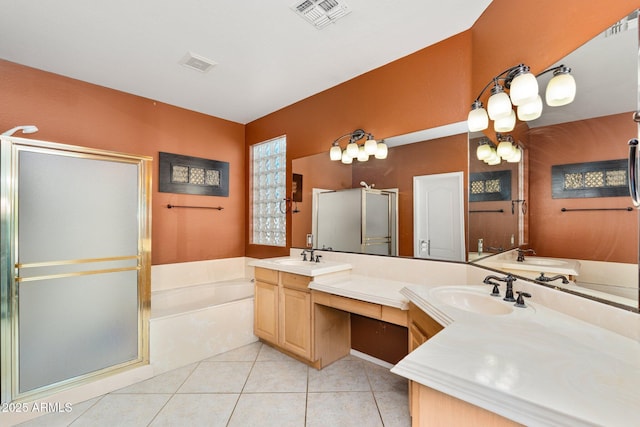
<point x="268" y="57"/>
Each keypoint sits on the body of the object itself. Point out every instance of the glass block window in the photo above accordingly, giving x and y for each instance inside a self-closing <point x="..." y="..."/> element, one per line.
<point x="268" y="181"/>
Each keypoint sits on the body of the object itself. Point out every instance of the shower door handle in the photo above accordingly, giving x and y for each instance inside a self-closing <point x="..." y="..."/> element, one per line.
<point x="633" y="172"/>
<point x="425" y="246"/>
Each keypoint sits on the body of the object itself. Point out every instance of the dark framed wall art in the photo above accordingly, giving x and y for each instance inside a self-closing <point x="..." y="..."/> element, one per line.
<point x="490" y="186"/>
<point x="193" y="175"/>
<point x="608" y="178"/>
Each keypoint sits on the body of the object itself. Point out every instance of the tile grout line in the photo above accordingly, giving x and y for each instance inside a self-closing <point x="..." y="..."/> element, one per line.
<point x="174" y="393"/>
<point x="85" y="411"/>
<point x="306" y="399"/>
<point x="373" y="394"/>
<point x="253" y="364"/>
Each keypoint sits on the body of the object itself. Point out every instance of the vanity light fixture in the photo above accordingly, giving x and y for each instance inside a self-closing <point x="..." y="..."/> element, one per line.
<point x="353" y="150"/>
<point x="523" y="94"/>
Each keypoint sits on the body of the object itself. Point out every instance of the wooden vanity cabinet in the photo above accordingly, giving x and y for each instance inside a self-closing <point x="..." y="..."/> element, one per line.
<point x="421" y="327"/>
<point x="431" y="407"/>
<point x="265" y="305"/>
<point x="295" y="314"/>
<point x="282" y="311"/>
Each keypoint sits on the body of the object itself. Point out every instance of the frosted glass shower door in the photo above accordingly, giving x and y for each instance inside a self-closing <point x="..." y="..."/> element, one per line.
<point x="339" y="214"/>
<point x="81" y="277"/>
<point x="376" y="231"/>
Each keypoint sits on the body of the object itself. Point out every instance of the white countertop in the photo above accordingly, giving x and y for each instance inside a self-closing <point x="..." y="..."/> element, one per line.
<point x="364" y="288"/>
<point x="536" y="367"/>
<point x="295" y="265"/>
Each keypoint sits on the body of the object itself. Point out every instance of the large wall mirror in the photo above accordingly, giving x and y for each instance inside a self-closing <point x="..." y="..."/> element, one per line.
<point x="575" y="191"/>
<point x="439" y="152"/>
<point x="597" y="231"/>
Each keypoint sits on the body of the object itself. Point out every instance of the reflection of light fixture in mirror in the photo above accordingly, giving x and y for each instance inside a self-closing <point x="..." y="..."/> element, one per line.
<point x="484" y="148"/>
<point x="24" y="129"/>
<point x="355" y="151"/>
<point x="523" y="94"/>
<point x="506" y="149"/>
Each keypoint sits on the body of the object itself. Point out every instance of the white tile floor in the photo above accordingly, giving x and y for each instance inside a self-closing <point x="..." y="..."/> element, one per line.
<point x="254" y="385"/>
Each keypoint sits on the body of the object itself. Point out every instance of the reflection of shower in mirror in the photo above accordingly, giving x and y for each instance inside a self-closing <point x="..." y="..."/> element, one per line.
<point x="365" y="185"/>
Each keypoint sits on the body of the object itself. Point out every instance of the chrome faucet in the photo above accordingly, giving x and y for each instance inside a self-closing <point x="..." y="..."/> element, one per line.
<point x="544" y="278"/>
<point x="521" y="253"/>
<point x="508" y="279"/>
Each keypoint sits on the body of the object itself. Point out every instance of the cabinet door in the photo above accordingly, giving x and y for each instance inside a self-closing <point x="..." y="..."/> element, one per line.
<point x="265" y="319"/>
<point x="416" y="337"/>
<point x="295" y="317"/>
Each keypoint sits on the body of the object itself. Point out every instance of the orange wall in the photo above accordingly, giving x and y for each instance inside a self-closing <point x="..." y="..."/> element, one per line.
<point x="591" y="235"/>
<point x="73" y="112"/>
<point x="387" y="101"/>
<point x="436" y="85"/>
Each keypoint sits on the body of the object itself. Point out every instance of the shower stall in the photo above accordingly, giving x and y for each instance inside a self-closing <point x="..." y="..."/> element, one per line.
<point x="75" y="265"/>
<point x="361" y="220"/>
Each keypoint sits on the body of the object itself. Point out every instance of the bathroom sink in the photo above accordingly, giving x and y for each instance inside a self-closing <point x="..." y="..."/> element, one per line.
<point x="297" y="265"/>
<point x="476" y="301"/>
<point x="545" y="262"/>
<point x="536" y="265"/>
<point x="292" y="262"/>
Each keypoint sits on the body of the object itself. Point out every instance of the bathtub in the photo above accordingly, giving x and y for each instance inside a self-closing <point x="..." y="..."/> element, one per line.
<point x="192" y="323"/>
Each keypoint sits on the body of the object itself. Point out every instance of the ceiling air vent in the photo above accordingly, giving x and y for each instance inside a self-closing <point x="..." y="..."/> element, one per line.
<point x="321" y="13"/>
<point x="197" y="62"/>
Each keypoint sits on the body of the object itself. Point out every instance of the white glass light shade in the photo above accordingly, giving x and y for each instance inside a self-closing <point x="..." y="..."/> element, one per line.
<point x="505" y="124"/>
<point x="483" y="151"/>
<point x="362" y="155"/>
<point x="516" y="156"/>
<point x="505" y="149"/>
<point x="531" y="110"/>
<point x="371" y="146"/>
<point x="381" y="151"/>
<point x="477" y="120"/>
<point x="494" y="160"/>
<point x="524" y="88"/>
<point x="493" y="156"/>
<point x="335" y="153"/>
<point x="499" y="106"/>
<point x="561" y="90"/>
<point x="346" y="158"/>
<point x="352" y="150"/>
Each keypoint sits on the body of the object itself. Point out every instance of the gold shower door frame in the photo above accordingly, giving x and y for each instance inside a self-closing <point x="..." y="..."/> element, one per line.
<point x="10" y="270"/>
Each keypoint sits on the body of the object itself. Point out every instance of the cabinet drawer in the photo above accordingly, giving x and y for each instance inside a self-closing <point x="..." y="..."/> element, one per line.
<point x="355" y="306"/>
<point x="266" y="275"/>
<point x="394" y="315"/>
<point x="295" y="281"/>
